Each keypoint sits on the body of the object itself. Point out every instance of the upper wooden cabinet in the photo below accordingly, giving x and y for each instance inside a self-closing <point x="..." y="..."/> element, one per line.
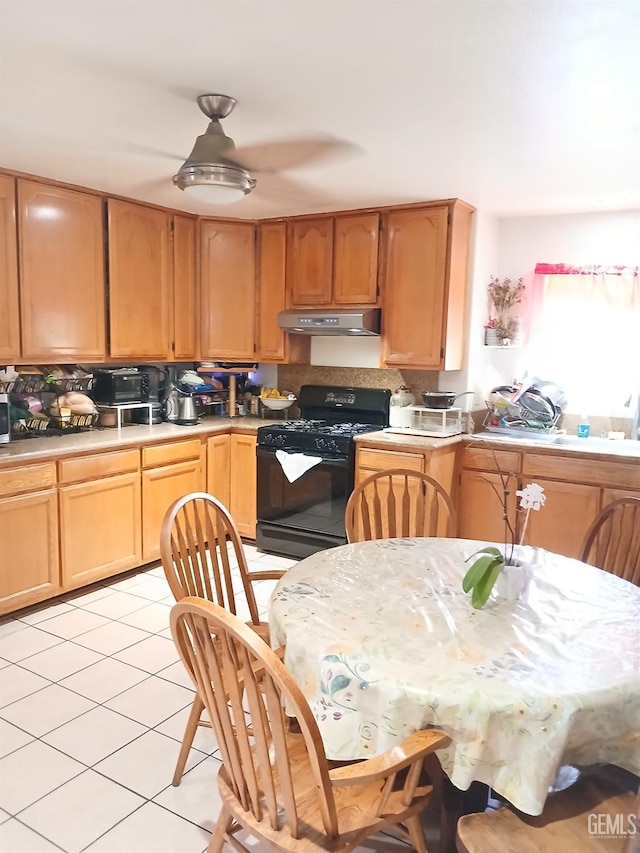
<point x="272" y="344"/>
<point x="140" y="281"/>
<point x="185" y="311"/>
<point x="355" y="259"/>
<point x="333" y="260"/>
<point x="309" y="261"/>
<point x="62" y="300"/>
<point x="424" y="288"/>
<point x="9" y="310"/>
<point x="227" y="289"/>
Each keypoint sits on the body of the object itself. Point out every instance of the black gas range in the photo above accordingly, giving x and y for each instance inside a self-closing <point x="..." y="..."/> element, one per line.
<point x="305" y="467"/>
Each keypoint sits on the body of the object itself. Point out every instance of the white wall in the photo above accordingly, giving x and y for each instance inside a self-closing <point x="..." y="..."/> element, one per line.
<point x="585" y="238"/>
<point x="522" y="242"/>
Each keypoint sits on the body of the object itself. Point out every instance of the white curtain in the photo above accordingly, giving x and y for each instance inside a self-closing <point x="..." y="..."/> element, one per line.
<point x="585" y="335"/>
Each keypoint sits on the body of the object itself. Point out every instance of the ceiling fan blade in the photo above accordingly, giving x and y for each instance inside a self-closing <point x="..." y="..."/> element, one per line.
<point x="290" y="153"/>
<point x="277" y="188"/>
<point x="149" y="151"/>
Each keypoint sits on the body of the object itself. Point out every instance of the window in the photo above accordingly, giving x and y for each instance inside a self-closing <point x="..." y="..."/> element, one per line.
<point x="585" y="335"/>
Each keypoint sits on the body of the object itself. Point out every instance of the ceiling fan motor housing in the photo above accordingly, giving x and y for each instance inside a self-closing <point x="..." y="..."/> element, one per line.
<point x="209" y="161"/>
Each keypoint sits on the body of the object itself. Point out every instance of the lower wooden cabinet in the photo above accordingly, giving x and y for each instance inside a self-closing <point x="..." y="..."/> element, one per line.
<point x="163" y="485"/>
<point x="30" y="567"/>
<point x="100" y="524"/>
<point x="243" y="484"/>
<point x="576" y="489"/>
<point x="562" y="524"/>
<point x="371" y="461"/>
<point x="232" y="478"/>
<point x="479" y="508"/>
<point x="219" y="467"/>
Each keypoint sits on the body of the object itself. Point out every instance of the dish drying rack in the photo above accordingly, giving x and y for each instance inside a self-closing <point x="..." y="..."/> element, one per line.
<point x="51" y="425"/>
<point x="514" y="418"/>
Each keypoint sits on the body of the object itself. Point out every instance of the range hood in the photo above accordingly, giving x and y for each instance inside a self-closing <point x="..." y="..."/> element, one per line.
<point x="331" y="321"/>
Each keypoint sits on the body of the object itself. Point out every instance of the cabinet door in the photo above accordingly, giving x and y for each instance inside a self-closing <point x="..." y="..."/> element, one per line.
<point x="160" y="488"/>
<point x="140" y="282"/>
<point x="562" y="524"/>
<point x="414" y="287"/>
<point x="100" y="529"/>
<point x="9" y="311"/>
<point x="62" y="292"/>
<point x="309" y="262"/>
<point x="479" y="507"/>
<point x="242" y="491"/>
<point x="371" y="461"/>
<point x="271" y="296"/>
<point x="227" y="271"/>
<point x="184" y="289"/>
<point x="30" y="563"/>
<point x="218" y="467"/>
<point x="355" y="259"/>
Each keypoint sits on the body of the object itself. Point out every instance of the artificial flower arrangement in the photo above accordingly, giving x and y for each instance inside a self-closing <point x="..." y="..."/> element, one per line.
<point x="504" y="295"/>
<point x="490" y="561"/>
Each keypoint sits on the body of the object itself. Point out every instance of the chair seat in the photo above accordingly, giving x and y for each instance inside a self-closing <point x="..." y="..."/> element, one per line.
<point x="354" y="806"/>
<point x="563" y="827"/>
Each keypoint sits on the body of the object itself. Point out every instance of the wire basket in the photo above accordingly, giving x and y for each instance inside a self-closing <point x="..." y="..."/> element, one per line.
<point x="38" y="427"/>
<point x="515" y="416"/>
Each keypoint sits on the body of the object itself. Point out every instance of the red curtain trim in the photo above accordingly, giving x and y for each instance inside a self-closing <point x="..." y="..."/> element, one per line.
<point x="567" y="269"/>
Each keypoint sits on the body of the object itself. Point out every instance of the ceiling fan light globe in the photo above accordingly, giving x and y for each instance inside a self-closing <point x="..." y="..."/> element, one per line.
<point x="215" y="184"/>
<point x="214" y="193"/>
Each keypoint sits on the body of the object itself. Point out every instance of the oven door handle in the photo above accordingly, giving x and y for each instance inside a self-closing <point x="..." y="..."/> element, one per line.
<point x="326" y="459"/>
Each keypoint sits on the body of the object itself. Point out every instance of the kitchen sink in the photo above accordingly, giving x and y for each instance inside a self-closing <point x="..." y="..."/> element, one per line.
<point x="625" y="446"/>
<point x="596" y="445"/>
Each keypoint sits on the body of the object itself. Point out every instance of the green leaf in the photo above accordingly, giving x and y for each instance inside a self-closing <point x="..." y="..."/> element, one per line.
<point x="488" y="549"/>
<point x="483" y="588"/>
<point x="476" y="571"/>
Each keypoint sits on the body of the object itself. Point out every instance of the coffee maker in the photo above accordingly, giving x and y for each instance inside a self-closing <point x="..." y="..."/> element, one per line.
<point x="154" y="381"/>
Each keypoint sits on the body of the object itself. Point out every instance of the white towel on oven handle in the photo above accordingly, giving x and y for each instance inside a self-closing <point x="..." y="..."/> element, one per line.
<point x="295" y="465"/>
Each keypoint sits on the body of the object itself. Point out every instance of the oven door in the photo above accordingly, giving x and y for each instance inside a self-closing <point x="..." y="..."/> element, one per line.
<point x="307" y="515"/>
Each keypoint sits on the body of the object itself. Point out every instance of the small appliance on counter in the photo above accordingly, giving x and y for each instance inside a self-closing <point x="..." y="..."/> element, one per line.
<point x="438" y="417"/>
<point x="153" y="384"/>
<point x="399" y="412"/>
<point x="121" y="385"/>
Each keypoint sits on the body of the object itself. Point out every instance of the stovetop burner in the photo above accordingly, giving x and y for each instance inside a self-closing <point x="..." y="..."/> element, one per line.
<point x="322" y="427"/>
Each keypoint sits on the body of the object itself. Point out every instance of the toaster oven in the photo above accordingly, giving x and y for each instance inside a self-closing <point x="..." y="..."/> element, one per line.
<point x="113" y="387"/>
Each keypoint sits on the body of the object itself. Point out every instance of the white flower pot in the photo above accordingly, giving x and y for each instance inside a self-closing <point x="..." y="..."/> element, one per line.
<point x="513" y="581"/>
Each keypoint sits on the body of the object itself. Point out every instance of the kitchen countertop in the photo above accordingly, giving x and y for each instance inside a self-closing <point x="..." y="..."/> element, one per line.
<point x="565" y="445"/>
<point x="417" y="443"/>
<point x="96" y="440"/>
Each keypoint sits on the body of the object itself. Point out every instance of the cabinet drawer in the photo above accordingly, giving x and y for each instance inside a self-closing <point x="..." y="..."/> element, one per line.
<point x="165" y="454"/>
<point x="491" y="460"/>
<point x="102" y="465"/>
<point x="31" y="478"/>
<point x="598" y="472"/>
<point x="386" y="459"/>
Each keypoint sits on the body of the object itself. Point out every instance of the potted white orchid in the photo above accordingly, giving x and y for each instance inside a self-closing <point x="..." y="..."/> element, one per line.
<point x="491" y="563"/>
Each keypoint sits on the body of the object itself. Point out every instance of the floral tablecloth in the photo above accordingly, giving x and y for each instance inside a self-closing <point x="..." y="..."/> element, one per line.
<point x="383" y="641"/>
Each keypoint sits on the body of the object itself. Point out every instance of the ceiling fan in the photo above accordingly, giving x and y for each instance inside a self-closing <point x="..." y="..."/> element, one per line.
<point x="219" y="173"/>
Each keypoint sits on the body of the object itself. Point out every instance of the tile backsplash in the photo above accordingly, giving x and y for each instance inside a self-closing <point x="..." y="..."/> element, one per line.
<point x="292" y="376"/>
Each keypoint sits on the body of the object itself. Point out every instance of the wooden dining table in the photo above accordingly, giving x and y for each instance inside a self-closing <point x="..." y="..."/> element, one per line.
<point x="383" y="641"/>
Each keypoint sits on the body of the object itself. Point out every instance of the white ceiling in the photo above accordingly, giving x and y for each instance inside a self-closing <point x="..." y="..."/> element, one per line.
<point x="517" y="106"/>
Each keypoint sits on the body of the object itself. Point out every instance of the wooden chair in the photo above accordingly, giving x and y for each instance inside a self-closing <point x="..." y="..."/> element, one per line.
<point x="399" y="503"/>
<point x="563" y="827"/>
<point x="196" y="559"/>
<point x="612" y="542"/>
<point x="275" y="783"/>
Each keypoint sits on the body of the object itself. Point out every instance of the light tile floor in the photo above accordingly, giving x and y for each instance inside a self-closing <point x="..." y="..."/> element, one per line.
<point x="93" y="705"/>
